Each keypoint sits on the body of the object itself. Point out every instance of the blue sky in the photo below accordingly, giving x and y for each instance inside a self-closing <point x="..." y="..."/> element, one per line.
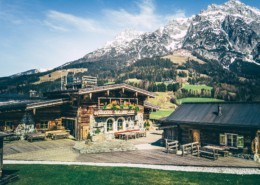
<point x="49" y="33"/>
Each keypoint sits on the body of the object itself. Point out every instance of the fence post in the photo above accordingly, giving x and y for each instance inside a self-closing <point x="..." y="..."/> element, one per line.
<point x="166" y="145"/>
<point x="191" y="148"/>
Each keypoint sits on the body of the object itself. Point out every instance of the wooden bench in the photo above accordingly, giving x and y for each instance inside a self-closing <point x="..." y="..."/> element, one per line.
<point x="140" y="133"/>
<point x="211" y="154"/>
<point x="125" y="131"/>
<point x="60" y="135"/>
<point x="35" y="136"/>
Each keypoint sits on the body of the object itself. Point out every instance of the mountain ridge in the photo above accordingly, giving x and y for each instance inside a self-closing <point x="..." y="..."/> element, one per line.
<point x="224" y="33"/>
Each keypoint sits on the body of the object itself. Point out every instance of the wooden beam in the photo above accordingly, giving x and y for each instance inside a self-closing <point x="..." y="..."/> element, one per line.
<point x="34" y="111"/>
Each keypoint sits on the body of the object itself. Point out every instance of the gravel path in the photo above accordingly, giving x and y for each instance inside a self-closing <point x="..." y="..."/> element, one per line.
<point x="240" y="171"/>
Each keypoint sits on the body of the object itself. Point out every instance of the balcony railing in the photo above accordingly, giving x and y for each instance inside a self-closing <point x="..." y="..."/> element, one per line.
<point x="106" y="112"/>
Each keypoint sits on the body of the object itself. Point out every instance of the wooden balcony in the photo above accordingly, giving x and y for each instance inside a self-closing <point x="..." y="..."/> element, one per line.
<point x="108" y="112"/>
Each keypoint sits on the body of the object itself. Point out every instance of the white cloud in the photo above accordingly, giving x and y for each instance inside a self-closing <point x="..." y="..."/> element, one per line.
<point x="180" y="13"/>
<point x="33" y="45"/>
<point x="145" y="20"/>
<point x="114" y="20"/>
<point x="55" y="27"/>
<point x="65" y="22"/>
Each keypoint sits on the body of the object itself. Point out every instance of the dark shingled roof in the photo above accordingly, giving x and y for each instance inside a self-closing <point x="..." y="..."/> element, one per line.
<point x="233" y="114"/>
<point x="3" y="134"/>
<point x="29" y="104"/>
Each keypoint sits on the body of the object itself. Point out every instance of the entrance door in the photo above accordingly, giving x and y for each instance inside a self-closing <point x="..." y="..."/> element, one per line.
<point x="195" y="135"/>
<point x="69" y="125"/>
<point x="258" y="142"/>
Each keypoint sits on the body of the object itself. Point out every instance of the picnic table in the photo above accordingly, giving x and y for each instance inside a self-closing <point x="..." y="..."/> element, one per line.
<point x="57" y="134"/>
<point x="130" y="134"/>
<point x="218" y="149"/>
<point x="60" y="135"/>
<point x="140" y="133"/>
<point x="35" y="136"/>
<point x="127" y="135"/>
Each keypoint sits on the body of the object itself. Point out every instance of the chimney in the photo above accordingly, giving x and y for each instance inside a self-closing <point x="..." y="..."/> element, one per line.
<point x="219" y="110"/>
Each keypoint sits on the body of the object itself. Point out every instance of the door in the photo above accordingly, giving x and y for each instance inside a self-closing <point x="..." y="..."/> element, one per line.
<point x="195" y="135"/>
<point x="258" y="142"/>
<point x="69" y="125"/>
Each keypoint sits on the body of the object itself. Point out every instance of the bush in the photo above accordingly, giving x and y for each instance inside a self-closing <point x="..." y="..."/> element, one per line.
<point x="147" y="125"/>
<point x="97" y="131"/>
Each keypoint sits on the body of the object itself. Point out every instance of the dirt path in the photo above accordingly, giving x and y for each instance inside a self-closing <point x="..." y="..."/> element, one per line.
<point x="240" y="171"/>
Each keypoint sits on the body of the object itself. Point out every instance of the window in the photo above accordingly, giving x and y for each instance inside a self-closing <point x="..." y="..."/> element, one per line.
<point x="119" y="124"/>
<point x="232" y="140"/>
<point x="109" y="125"/>
<point x="43" y="125"/>
<point x="8" y="125"/>
<point x="222" y="139"/>
<point x="240" y="141"/>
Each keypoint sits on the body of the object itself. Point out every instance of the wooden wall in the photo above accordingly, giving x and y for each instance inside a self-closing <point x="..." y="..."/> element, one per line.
<point x="210" y="134"/>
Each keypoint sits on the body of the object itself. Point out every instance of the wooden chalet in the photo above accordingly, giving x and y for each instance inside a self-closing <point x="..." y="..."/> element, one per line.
<point x="86" y="111"/>
<point x="235" y="126"/>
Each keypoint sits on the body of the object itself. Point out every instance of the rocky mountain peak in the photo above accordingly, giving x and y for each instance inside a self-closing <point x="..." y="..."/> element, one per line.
<point x="124" y="37"/>
<point x="234" y="7"/>
<point x="224" y="33"/>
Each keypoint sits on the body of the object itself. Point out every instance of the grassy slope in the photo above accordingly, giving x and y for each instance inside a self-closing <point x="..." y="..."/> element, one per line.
<point x="162" y="100"/>
<point x="134" y="80"/>
<point x="58" y="74"/>
<point x="178" y="57"/>
<point x="58" y="174"/>
<point x="185" y="100"/>
<point x="161" y="113"/>
<point x="196" y="87"/>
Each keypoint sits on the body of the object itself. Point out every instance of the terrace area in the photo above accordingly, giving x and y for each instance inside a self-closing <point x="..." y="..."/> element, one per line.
<point x="147" y="152"/>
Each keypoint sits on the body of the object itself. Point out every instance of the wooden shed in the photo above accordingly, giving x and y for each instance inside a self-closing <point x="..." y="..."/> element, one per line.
<point x="234" y="125"/>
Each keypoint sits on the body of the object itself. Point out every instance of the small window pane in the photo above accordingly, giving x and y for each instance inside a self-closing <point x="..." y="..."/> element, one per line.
<point x="222" y="139"/>
<point x="229" y="140"/>
<point x="109" y="125"/>
<point x="120" y="124"/>
<point x="240" y="141"/>
<point x="234" y="140"/>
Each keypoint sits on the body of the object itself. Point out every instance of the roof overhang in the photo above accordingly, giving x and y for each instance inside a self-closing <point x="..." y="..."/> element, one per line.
<point x="47" y="103"/>
<point x="3" y="134"/>
<point x="177" y="122"/>
<point x="151" y="106"/>
<point x="114" y="87"/>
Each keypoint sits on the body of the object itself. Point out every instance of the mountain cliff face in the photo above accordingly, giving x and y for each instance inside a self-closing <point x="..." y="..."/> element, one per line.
<point x="132" y="45"/>
<point x="224" y="33"/>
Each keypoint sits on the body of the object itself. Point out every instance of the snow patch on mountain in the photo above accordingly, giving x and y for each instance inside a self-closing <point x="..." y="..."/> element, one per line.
<point x="30" y="72"/>
<point x="224" y="33"/>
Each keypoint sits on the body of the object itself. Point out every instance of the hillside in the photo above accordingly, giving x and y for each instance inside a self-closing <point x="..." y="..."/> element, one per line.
<point x="218" y="47"/>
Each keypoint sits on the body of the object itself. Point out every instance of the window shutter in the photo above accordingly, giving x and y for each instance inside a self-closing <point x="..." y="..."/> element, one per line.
<point x="240" y="141"/>
<point x="222" y="139"/>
